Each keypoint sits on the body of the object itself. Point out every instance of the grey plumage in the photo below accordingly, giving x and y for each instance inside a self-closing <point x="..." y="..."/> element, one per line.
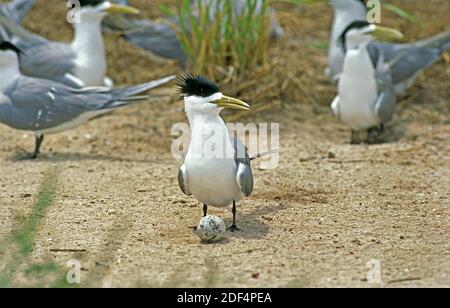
<point x="407" y="61"/>
<point x="17" y="9"/>
<point x="47" y="107"/>
<point x="41" y="58"/>
<point x="244" y="174"/>
<point x="410" y="58"/>
<point x="183" y="181"/>
<point x="157" y="37"/>
<point x="387" y="98"/>
<point x="39" y="105"/>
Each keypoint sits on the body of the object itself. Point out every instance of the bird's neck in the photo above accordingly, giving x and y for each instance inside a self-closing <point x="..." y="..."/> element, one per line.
<point x="357" y="62"/>
<point x="88" y="40"/>
<point x="200" y="120"/>
<point x="9" y="72"/>
<point x="358" y="43"/>
<point x="209" y="135"/>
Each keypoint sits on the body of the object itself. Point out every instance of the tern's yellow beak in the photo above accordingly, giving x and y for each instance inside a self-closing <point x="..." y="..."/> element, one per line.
<point x="232" y="103"/>
<point x="387" y="34"/>
<point x="122" y="9"/>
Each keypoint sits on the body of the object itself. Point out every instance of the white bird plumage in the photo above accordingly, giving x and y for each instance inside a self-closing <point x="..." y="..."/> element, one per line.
<point x="216" y="169"/>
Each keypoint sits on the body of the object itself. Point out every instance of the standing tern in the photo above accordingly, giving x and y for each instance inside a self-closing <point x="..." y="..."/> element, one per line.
<point x="79" y="64"/>
<point x="410" y="58"/>
<point x="366" y="96"/>
<point x="217" y="169"/>
<point x="47" y="107"/>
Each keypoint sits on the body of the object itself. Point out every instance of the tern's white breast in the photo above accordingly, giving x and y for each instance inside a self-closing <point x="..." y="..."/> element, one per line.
<point x="358" y="91"/>
<point x="90" y="62"/>
<point x="211" y="176"/>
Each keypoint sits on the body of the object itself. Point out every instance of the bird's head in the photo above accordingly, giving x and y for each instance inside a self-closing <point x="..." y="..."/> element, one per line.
<point x="9" y="54"/>
<point x="362" y="32"/>
<point x="202" y="96"/>
<point x="98" y="9"/>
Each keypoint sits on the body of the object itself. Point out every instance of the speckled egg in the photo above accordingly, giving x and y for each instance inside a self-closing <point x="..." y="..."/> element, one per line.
<point x="211" y="229"/>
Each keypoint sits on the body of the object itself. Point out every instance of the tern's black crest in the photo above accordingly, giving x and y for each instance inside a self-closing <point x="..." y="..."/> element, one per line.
<point x="90" y="2"/>
<point x="8" y="46"/>
<point x="359" y="24"/>
<point x="193" y="85"/>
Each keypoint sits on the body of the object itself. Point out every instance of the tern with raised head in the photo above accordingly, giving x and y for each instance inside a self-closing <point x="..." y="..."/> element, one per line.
<point x="46" y="107"/>
<point x="410" y="58"/>
<point x="79" y="64"/>
<point x="366" y="95"/>
<point x="217" y="169"/>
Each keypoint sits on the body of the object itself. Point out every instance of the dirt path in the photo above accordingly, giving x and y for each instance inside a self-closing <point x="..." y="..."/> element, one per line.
<point x="106" y="194"/>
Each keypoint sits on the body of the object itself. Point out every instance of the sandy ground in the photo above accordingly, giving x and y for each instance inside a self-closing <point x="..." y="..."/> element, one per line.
<point x="315" y="221"/>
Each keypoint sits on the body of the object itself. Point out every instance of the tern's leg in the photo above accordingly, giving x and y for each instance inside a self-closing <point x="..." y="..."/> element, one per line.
<point x="374" y="133"/>
<point x="205" y="212"/>
<point x="37" y="148"/>
<point x="233" y="227"/>
<point x="355" y="138"/>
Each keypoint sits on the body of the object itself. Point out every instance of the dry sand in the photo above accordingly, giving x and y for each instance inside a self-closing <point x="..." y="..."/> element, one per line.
<point x="317" y="220"/>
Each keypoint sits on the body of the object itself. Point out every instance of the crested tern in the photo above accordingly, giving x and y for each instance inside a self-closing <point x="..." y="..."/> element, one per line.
<point x="79" y="64"/>
<point x="410" y="58"/>
<point x="366" y="97"/>
<point x="46" y="107"/>
<point x="217" y="168"/>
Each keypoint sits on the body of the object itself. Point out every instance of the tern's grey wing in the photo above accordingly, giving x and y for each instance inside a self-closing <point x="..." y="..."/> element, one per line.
<point x="38" y="104"/>
<point x="18" y="34"/>
<point x="54" y="61"/>
<point x="183" y="181"/>
<point x="385" y="105"/>
<point x="159" y="38"/>
<point x="406" y="60"/>
<point x="17" y="9"/>
<point x="387" y="98"/>
<point x="244" y="174"/>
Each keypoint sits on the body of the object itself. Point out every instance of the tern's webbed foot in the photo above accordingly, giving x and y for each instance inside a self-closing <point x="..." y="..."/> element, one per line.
<point x="374" y="135"/>
<point x="355" y="138"/>
<point x="233" y="228"/>
<point x="27" y="156"/>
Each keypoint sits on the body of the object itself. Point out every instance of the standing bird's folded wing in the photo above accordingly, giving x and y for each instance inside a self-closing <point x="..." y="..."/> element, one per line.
<point x="17" y="10"/>
<point x="244" y="174"/>
<point x="183" y="180"/>
<point x="42" y="105"/>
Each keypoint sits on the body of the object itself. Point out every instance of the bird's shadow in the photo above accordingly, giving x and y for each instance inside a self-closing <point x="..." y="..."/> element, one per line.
<point x="21" y="156"/>
<point x="224" y="241"/>
<point x="394" y="132"/>
<point x="252" y="224"/>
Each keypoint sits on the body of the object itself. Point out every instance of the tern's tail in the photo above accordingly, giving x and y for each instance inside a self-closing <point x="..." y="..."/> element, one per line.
<point x="440" y="41"/>
<point x="18" y="9"/>
<point x="9" y="29"/>
<point x="125" y="96"/>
